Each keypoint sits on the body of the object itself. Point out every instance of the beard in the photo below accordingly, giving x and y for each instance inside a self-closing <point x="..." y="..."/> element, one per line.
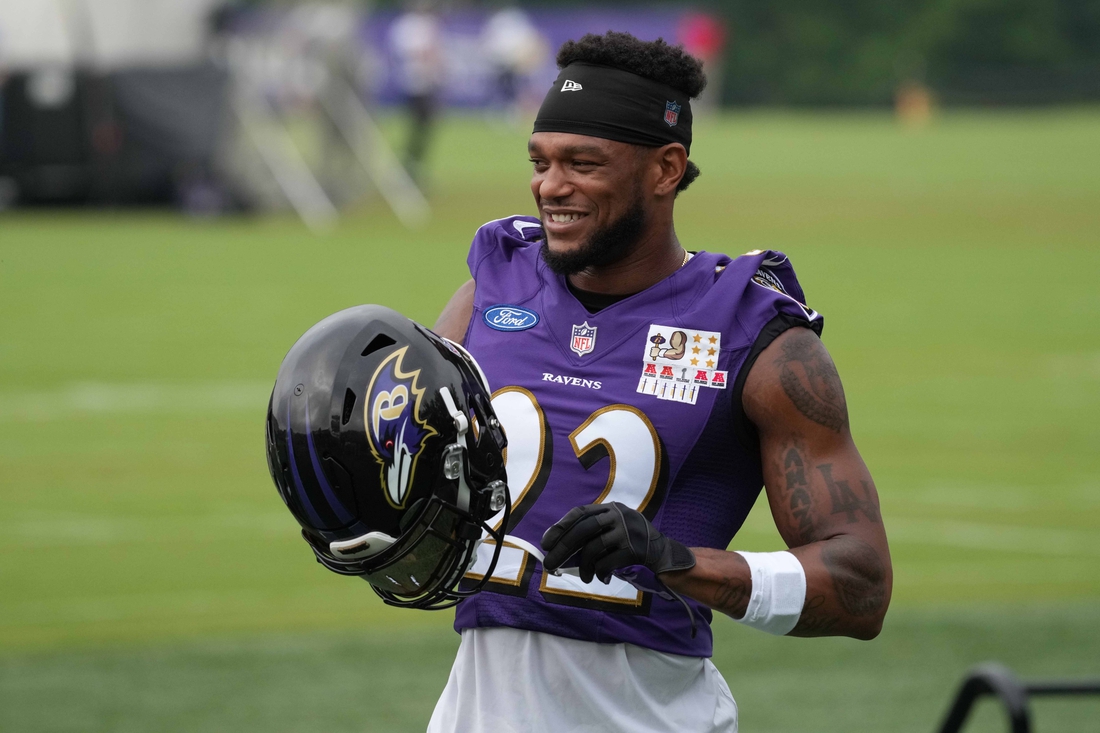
<point x="604" y="247"/>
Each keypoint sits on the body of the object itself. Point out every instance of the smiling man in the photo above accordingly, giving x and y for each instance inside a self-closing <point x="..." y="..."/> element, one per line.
<point x="648" y="393"/>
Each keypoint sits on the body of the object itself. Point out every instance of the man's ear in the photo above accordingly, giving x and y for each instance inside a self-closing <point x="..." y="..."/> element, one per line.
<point x="671" y="164"/>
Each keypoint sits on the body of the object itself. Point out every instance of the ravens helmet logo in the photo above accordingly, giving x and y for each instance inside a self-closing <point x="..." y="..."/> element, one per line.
<point x="395" y="430"/>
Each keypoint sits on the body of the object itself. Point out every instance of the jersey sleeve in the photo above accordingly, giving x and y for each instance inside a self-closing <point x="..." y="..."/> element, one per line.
<point x="773" y="303"/>
<point x="503" y="261"/>
<point x="499" y="242"/>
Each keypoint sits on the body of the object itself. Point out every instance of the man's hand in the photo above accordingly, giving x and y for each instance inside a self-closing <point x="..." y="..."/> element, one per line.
<point x="609" y="537"/>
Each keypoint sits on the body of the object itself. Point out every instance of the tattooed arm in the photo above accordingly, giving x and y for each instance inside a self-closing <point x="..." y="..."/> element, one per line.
<point x="821" y="495"/>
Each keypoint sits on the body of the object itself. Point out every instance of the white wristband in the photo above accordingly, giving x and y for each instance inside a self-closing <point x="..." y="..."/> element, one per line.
<point x="778" y="591"/>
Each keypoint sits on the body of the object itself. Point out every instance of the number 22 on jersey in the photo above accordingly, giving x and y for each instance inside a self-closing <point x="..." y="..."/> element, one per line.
<point x="636" y="469"/>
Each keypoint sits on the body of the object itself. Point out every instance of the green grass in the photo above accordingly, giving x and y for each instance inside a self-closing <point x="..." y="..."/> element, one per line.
<point x="151" y="580"/>
<point x="364" y="680"/>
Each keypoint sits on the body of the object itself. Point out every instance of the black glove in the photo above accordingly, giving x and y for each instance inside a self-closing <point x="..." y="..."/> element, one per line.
<point x="609" y="537"/>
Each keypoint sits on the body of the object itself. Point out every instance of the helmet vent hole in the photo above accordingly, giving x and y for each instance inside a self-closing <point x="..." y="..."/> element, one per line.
<point x="349" y="405"/>
<point x="380" y="341"/>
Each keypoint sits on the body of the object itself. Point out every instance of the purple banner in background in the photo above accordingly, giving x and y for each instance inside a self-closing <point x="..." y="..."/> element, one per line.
<point x="482" y="59"/>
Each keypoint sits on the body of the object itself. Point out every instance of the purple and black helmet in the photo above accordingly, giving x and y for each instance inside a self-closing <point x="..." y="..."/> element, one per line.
<point x="382" y="442"/>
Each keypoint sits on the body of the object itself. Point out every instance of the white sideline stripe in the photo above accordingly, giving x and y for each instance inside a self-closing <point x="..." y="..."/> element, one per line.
<point x="998" y="537"/>
<point x="72" y="531"/>
<point x="142" y="397"/>
<point x="1074" y="366"/>
<point x="136" y="607"/>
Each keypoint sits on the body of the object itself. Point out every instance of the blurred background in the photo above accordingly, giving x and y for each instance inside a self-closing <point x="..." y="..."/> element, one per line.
<point x="187" y="185"/>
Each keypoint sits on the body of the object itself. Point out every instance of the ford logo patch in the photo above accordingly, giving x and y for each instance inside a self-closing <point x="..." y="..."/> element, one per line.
<point x="510" y="318"/>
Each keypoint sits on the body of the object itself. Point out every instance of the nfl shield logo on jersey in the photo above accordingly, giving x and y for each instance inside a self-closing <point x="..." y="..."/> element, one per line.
<point x="584" y="339"/>
<point x="672" y="113"/>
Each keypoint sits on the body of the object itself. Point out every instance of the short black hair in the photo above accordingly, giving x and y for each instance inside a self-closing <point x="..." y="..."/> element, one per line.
<point x="654" y="60"/>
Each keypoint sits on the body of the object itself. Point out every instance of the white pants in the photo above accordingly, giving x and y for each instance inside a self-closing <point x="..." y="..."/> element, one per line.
<point x="511" y="681"/>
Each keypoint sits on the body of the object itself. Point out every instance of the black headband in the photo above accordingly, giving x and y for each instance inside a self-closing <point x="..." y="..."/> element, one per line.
<point x="600" y="101"/>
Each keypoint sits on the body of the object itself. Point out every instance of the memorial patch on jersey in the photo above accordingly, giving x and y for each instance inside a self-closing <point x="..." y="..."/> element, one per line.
<point x="510" y="318"/>
<point x="678" y="362"/>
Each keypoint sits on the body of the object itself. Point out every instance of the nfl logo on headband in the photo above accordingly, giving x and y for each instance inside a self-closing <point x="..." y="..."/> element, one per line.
<point x="672" y="113"/>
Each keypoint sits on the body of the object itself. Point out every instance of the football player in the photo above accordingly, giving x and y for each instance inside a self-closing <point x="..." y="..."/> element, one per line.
<point x="647" y="393"/>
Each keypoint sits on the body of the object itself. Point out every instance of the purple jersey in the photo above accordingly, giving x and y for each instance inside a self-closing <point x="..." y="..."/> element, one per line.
<point x="636" y="404"/>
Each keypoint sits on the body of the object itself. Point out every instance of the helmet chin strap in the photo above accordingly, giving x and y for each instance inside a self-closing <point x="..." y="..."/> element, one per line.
<point x="454" y="455"/>
<point x="454" y="458"/>
<point x="536" y="553"/>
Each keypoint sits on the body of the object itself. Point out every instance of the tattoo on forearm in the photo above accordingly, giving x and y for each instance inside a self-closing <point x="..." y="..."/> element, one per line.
<point x="845" y="501"/>
<point x="732" y="597"/>
<point x="858" y="575"/>
<point x="813" y="622"/>
<point x="799" y="498"/>
<point x="811" y="381"/>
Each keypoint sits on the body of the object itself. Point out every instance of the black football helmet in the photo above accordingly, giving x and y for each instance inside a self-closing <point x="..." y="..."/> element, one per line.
<point x="382" y="442"/>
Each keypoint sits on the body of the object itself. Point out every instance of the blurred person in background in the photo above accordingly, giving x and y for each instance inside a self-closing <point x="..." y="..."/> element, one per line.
<point x="416" y="39"/>
<point x="703" y="36"/>
<point x="515" y="49"/>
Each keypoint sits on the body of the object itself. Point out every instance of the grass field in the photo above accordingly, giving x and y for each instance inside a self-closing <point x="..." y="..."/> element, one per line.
<point x="150" y="579"/>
